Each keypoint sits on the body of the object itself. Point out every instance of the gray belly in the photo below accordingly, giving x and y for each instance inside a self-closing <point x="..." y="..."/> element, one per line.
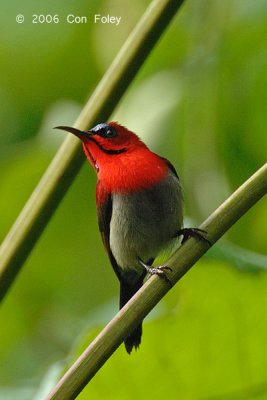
<point x="144" y="223"/>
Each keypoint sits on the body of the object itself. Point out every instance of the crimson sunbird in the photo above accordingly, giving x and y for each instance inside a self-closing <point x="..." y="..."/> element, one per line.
<point x="139" y="207"/>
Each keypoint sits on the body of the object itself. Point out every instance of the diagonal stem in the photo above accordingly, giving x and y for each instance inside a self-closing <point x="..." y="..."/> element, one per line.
<point x="92" y="359"/>
<point x="63" y="169"/>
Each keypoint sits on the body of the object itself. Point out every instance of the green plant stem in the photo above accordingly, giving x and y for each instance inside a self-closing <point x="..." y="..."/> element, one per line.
<point x="155" y="288"/>
<point x="68" y="160"/>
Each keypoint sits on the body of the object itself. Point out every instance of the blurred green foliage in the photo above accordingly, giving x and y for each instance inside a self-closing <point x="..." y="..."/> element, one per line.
<point x="200" y="101"/>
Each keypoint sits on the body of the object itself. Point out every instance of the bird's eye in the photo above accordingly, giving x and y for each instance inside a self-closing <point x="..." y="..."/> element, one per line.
<point x="108" y="132"/>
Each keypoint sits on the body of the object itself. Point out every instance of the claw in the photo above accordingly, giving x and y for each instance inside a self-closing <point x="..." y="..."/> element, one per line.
<point x="160" y="271"/>
<point x="196" y="233"/>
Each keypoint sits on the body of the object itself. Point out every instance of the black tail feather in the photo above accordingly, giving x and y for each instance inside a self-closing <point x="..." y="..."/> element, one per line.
<point x="134" y="339"/>
<point x="127" y="290"/>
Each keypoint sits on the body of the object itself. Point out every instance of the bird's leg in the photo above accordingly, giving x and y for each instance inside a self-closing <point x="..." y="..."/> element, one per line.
<point x="160" y="271"/>
<point x="192" y="232"/>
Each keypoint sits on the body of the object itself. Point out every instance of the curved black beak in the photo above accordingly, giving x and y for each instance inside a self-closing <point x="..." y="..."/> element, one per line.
<point x="74" y="131"/>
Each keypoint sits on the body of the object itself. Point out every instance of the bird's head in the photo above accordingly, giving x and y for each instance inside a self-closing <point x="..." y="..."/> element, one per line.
<point x="105" y="140"/>
<point x="123" y="162"/>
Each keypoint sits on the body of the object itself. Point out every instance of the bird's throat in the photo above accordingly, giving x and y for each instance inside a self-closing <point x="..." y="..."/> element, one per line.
<point x="109" y="152"/>
<point x="91" y="158"/>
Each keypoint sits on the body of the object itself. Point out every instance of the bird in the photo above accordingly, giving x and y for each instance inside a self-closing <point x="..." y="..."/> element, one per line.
<point x="139" y="207"/>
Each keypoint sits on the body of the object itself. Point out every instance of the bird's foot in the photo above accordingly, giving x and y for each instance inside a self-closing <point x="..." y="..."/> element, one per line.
<point x="160" y="271"/>
<point x="196" y="233"/>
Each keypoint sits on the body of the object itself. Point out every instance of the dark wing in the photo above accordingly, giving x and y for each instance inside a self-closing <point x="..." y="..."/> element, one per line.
<point x="104" y="212"/>
<point x="127" y="289"/>
<point x="171" y="167"/>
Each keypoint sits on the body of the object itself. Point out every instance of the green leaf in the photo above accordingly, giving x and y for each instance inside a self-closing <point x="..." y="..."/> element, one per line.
<point x="209" y="344"/>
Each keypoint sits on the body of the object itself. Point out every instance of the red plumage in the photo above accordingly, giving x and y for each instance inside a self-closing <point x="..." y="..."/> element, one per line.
<point x="135" y="169"/>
